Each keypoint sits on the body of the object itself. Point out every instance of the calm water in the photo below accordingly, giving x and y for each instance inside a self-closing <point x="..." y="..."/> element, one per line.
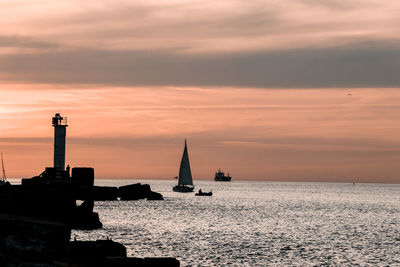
<point x="258" y="224"/>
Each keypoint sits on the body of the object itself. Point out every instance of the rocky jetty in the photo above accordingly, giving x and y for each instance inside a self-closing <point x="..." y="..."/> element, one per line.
<point x="127" y="192"/>
<point x="27" y="241"/>
<point x="54" y="203"/>
<point x="37" y="216"/>
<point x="102" y="193"/>
<point x="81" y="186"/>
<point x="110" y="253"/>
<point x="53" y="195"/>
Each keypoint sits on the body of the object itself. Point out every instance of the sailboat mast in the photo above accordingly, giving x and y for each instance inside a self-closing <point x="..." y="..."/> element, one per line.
<point x="2" y="165"/>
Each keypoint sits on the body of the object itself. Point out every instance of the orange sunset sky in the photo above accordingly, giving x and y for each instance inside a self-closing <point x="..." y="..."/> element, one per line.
<point x="282" y="90"/>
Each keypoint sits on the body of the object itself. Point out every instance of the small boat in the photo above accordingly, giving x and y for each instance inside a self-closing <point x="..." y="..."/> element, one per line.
<point x="220" y="176"/>
<point x="201" y="193"/>
<point x="185" y="181"/>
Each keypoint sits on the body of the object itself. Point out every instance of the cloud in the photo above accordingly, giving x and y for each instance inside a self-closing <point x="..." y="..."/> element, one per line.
<point x="25" y="140"/>
<point x="15" y="41"/>
<point x="305" y="43"/>
<point x="362" y="65"/>
<point x="197" y="27"/>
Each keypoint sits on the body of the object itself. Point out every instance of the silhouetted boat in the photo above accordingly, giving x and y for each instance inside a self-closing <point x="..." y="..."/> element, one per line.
<point x="201" y="193"/>
<point x="220" y="176"/>
<point x="185" y="181"/>
<point x="3" y="181"/>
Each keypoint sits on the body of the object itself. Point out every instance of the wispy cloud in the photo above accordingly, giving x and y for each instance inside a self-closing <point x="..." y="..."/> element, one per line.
<point x="196" y="26"/>
<point x="351" y="66"/>
<point x="267" y="43"/>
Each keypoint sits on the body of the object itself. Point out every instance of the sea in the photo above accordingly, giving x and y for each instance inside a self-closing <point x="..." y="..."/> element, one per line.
<point x="249" y="223"/>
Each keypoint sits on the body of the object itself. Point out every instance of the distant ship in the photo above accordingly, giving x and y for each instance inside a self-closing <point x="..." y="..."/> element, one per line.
<point x="185" y="181"/>
<point x="220" y="176"/>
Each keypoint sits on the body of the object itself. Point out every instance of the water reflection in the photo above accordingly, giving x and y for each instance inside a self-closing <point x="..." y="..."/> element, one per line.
<point x="258" y="224"/>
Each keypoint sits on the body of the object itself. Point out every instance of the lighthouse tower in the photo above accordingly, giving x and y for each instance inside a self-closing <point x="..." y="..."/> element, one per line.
<point x="60" y="129"/>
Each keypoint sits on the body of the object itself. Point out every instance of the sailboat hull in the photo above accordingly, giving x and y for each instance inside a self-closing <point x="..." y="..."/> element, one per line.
<point x="183" y="188"/>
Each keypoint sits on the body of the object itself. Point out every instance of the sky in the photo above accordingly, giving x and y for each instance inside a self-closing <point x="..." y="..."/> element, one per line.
<point x="273" y="90"/>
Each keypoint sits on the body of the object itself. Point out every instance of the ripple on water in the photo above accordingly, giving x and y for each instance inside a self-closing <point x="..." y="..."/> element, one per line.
<point x="259" y="223"/>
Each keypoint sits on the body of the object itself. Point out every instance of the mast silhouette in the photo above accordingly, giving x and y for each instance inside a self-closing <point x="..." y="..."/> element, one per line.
<point x="4" y="171"/>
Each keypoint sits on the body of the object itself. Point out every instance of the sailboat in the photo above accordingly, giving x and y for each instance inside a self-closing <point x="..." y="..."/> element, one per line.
<point x="185" y="181"/>
<point x="4" y="179"/>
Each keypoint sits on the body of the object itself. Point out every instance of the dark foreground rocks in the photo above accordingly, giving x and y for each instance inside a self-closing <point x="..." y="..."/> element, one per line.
<point x="26" y="241"/>
<point x="52" y="202"/>
<point x="32" y="239"/>
<point x="53" y="195"/>
<point x="37" y="216"/>
<point x="109" y="253"/>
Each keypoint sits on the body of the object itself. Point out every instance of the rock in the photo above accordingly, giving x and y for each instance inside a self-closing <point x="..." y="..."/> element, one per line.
<point x="55" y="203"/>
<point x="142" y="262"/>
<point x="83" y="176"/>
<point x="133" y="191"/>
<point x="95" y="250"/>
<point x="32" y="239"/>
<point x="138" y="191"/>
<point x="36" y="218"/>
<point x="154" y="196"/>
<point x="101" y="193"/>
<point x="26" y="241"/>
<point x="85" y="218"/>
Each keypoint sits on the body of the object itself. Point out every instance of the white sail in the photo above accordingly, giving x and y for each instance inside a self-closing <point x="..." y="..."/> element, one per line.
<point x="185" y="175"/>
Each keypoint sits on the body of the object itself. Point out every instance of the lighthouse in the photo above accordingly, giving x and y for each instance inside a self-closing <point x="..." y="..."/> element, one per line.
<point x="60" y="129"/>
